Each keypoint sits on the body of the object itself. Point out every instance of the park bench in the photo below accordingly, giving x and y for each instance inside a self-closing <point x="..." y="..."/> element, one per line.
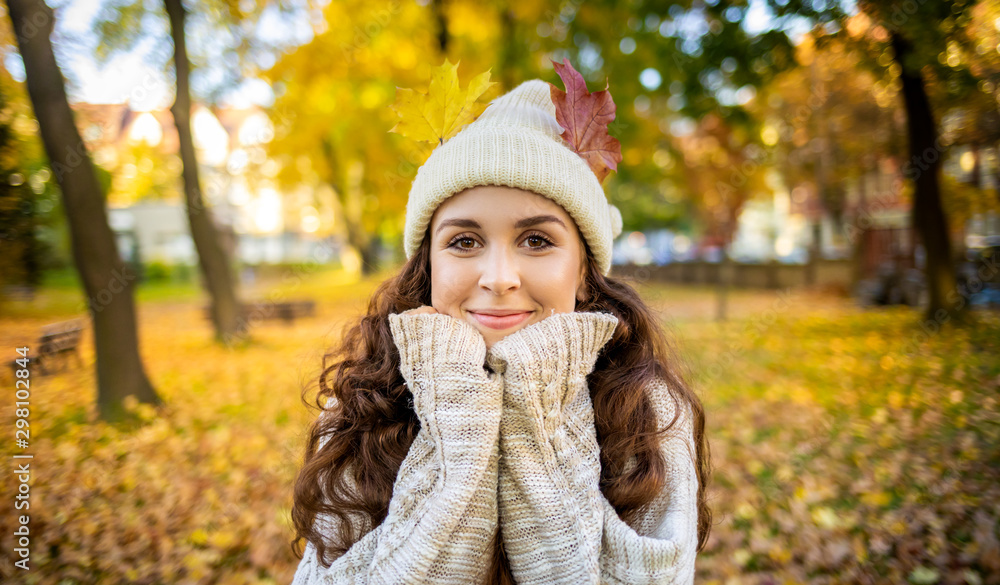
<point x="19" y="292"/>
<point x="56" y="344"/>
<point x="287" y="311"/>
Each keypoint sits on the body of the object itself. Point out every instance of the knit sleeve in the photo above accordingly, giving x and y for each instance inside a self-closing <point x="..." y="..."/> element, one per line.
<point x="442" y="515"/>
<point x="557" y="526"/>
<point x="660" y="546"/>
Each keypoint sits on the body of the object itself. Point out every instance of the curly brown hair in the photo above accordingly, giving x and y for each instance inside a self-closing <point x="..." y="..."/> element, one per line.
<point x="370" y="422"/>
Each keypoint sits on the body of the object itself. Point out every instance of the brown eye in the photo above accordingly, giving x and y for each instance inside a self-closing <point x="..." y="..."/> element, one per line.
<point x="455" y="243"/>
<point x="539" y="239"/>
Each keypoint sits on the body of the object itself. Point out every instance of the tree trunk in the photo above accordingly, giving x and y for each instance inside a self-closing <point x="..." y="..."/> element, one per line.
<point x="976" y="176"/>
<point x="925" y="168"/>
<point x="347" y="198"/>
<point x="508" y="47"/>
<point x="722" y="285"/>
<point x="216" y="270"/>
<point x="858" y="233"/>
<point x="442" y="23"/>
<point x="723" y="277"/>
<point x="815" y="252"/>
<point x="354" y="206"/>
<point x="357" y="238"/>
<point x="996" y="170"/>
<point x="106" y="280"/>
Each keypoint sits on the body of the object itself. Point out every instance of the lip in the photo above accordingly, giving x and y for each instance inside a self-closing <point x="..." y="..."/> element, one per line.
<point x="500" y="319"/>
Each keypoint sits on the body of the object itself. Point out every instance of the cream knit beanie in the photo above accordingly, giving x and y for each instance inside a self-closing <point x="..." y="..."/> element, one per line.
<point x="515" y="143"/>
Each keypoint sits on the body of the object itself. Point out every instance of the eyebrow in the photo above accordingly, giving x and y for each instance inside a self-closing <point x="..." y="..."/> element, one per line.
<point x="521" y="223"/>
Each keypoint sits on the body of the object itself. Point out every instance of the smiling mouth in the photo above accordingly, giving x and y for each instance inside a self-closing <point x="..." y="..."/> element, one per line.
<point x="500" y="321"/>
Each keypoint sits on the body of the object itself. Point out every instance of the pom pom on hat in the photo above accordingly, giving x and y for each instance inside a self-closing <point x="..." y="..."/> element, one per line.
<point x="616" y="220"/>
<point x="515" y="143"/>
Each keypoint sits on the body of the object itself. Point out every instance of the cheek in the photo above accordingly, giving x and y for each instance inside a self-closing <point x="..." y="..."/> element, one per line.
<point x="555" y="283"/>
<point x="450" y="281"/>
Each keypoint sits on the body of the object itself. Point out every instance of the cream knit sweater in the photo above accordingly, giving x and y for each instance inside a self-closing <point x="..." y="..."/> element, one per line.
<point x="516" y="446"/>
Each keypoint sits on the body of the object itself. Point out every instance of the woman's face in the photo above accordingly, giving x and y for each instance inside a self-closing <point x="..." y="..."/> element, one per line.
<point x="504" y="258"/>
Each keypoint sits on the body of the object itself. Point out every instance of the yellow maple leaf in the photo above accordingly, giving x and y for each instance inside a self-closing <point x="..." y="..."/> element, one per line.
<point x="445" y="109"/>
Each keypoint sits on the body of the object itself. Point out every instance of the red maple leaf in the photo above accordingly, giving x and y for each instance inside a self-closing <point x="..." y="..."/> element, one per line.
<point x="584" y="117"/>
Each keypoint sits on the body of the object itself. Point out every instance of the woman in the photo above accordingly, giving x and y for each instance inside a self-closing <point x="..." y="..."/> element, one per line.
<point x="505" y="412"/>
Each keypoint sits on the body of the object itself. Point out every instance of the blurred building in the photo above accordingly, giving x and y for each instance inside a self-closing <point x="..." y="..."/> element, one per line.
<point x="258" y="221"/>
<point x="785" y="225"/>
<point x="878" y="220"/>
<point x="878" y="215"/>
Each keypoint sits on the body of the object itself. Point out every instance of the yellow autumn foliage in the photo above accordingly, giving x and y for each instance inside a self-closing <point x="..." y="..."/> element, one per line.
<point x="444" y="110"/>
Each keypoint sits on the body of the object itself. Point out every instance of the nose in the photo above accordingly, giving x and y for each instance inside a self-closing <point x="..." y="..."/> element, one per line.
<point x="499" y="272"/>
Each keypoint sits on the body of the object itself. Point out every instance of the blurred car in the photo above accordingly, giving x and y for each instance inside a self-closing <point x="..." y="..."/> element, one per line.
<point x="977" y="278"/>
<point x="979" y="274"/>
<point x="892" y="286"/>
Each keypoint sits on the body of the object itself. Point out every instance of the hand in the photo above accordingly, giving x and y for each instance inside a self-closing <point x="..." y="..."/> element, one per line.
<point x="417" y="331"/>
<point x="568" y="344"/>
